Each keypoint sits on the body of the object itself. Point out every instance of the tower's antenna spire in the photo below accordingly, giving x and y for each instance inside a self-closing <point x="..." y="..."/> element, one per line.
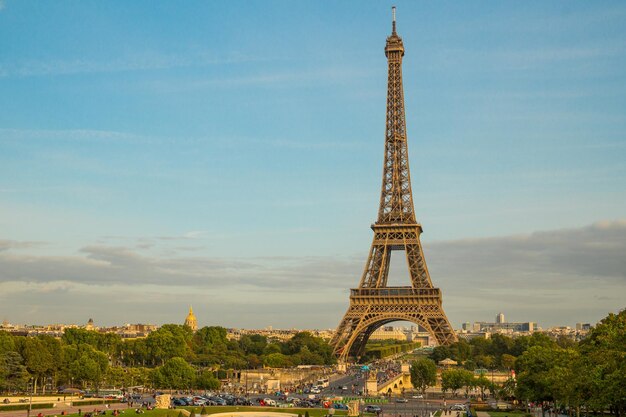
<point x="393" y="14"/>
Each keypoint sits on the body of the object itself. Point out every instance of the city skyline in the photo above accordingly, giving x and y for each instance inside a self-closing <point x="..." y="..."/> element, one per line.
<point x="90" y="324"/>
<point x="233" y="162"/>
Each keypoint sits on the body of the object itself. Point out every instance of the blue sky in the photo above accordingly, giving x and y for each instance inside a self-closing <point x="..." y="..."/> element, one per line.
<point x="229" y="155"/>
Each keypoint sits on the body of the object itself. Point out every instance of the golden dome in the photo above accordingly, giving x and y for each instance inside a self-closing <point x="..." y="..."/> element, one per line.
<point x="191" y="320"/>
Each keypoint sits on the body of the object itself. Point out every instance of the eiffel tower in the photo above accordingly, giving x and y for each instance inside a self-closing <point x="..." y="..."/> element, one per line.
<point x="374" y="303"/>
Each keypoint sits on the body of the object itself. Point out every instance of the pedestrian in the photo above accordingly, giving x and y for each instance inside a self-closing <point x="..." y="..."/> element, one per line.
<point x="80" y="411"/>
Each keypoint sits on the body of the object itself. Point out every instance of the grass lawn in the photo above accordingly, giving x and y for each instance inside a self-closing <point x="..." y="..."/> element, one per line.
<point x="516" y="413"/>
<point x="313" y="412"/>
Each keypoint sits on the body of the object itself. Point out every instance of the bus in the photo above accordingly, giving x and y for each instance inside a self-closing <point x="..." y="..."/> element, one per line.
<point x="113" y="394"/>
<point x="323" y="383"/>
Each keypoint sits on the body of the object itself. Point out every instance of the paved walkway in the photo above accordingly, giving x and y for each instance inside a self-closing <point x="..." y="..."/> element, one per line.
<point x="253" y="414"/>
<point x="56" y="411"/>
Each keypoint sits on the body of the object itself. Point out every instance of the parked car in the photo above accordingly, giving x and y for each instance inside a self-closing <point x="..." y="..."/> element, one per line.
<point x="242" y="401"/>
<point x="402" y="400"/>
<point x="340" y="406"/>
<point x="218" y="401"/>
<point x="457" y="407"/>
<point x="269" y="402"/>
<point x="370" y="408"/>
<point x="417" y="397"/>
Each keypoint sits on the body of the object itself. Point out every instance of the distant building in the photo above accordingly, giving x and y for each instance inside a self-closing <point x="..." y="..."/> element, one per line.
<point x="501" y="326"/>
<point x="500" y="318"/>
<point x="388" y="333"/>
<point x="467" y="326"/>
<point x="90" y="326"/>
<point x="131" y="331"/>
<point x="528" y="326"/>
<point x="473" y="335"/>
<point x="191" y="320"/>
<point x="281" y="335"/>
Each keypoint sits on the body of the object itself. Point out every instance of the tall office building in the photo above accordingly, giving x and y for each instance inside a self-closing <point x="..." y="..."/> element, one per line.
<point x="500" y="318"/>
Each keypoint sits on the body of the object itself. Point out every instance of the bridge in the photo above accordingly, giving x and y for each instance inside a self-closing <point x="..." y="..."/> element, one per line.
<point x="395" y="385"/>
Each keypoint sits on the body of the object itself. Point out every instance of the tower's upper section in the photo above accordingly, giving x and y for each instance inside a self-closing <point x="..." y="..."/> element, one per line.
<point x="394" y="42"/>
<point x="396" y="200"/>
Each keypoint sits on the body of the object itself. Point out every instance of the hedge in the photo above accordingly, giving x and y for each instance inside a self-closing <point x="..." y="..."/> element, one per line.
<point x="93" y="402"/>
<point x="34" y="406"/>
<point x="384" y="351"/>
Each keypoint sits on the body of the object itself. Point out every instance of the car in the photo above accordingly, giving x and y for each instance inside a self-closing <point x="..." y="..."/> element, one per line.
<point x="218" y="400"/>
<point x="198" y="401"/>
<point x="344" y="388"/>
<point x="315" y="390"/>
<point x="417" y="396"/>
<point x="370" y="408"/>
<point x="457" y="407"/>
<point x="340" y="406"/>
<point x="242" y="401"/>
<point x="402" y="400"/>
<point x="269" y="402"/>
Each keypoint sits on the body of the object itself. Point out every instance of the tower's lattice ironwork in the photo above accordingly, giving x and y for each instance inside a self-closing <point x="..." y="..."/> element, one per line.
<point x="373" y="303"/>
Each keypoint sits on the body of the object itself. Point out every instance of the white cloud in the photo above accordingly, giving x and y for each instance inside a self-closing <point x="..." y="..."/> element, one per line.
<point x="553" y="277"/>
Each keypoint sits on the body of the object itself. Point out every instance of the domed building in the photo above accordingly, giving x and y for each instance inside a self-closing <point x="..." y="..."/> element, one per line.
<point x="90" y="325"/>
<point x="191" y="320"/>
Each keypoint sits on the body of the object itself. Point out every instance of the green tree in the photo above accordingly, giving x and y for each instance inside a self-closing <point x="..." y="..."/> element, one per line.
<point x="7" y="344"/>
<point x="90" y="366"/>
<point x="454" y="379"/>
<point x="13" y="373"/>
<point x="277" y="360"/>
<point x="483" y="383"/>
<point x="117" y="376"/>
<point x="81" y="336"/>
<point x="542" y="372"/>
<point x="469" y="364"/>
<point x="253" y="344"/>
<point x="254" y="361"/>
<point x="604" y="353"/>
<point x="37" y="359"/>
<point x="206" y="380"/>
<point x="423" y="374"/>
<point x="507" y="361"/>
<point x="167" y="342"/>
<point x="210" y="340"/>
<point x="272" y="348"/>
<point x="55" y="348"/>
<point x="485" y="361"/>
<point x="469" y="382"/>
<point x="176" y="373"/>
